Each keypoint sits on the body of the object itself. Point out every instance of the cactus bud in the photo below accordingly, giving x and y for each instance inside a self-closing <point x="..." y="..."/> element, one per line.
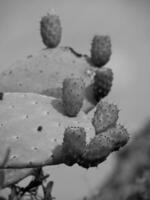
<point x="100" y="50"/>
<point x="73" y="95"/>
<point x="74" y="143"/>
<point x="105" y="116"/>
<point x="51" y="30"/>
<point x="102" y="83"/>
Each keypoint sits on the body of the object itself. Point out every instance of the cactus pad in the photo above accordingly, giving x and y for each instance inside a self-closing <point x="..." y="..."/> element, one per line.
<point x="38" y="133"/>
<point x="44" y="73"/>
<point x="32" y="126"/>
<point x="12" y="176"/>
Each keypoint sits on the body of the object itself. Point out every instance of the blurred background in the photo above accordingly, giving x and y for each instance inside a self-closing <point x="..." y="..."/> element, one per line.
<point x="127" y="22"/>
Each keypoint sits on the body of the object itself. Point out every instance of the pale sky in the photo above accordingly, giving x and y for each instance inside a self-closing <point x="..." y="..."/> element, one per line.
<point x="128" y="24"/>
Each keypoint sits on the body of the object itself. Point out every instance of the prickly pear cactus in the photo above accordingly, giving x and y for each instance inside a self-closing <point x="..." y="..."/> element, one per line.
<point x="37" y="131"/>
<point x="41" y="130"/>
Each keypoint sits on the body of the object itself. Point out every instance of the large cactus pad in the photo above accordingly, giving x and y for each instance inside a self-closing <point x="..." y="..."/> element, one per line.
<point x="38" y="133"/>
<point x="32" y="126"/>
<point x="45" y="72"/>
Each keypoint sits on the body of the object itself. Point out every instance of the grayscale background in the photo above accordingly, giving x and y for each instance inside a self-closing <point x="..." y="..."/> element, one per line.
<point x="128" y="24"/>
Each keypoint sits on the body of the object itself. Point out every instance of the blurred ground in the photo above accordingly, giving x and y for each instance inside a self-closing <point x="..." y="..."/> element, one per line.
<point x="127" y="22"/>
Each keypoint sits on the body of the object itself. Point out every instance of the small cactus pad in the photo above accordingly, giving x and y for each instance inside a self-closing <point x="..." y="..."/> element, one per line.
<point x="73" y="95"/>
<point x="100" y="50"/>
<point x="51" y="30"/>
<point x="105" y="116"/>
<point x="74" y="144"/>
<point x="102" y="83"/>
<point x="32" y="126"/>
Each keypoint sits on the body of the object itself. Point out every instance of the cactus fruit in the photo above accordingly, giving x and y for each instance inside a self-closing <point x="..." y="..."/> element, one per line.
<point x="73" y="95"/>
<point x="118" y="137"/>
<point x="100" y="50"/>
<point x="102" y="83"/>
<point x="74" y="143"/>
<point x="105" y="116"/>
<point x="102" y="144"/>
<point x="51" y="30"/>
<point x="90" y="153"/>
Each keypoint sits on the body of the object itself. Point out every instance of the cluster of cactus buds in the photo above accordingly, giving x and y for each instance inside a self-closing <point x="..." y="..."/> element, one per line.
<point x="109" y="137"/>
